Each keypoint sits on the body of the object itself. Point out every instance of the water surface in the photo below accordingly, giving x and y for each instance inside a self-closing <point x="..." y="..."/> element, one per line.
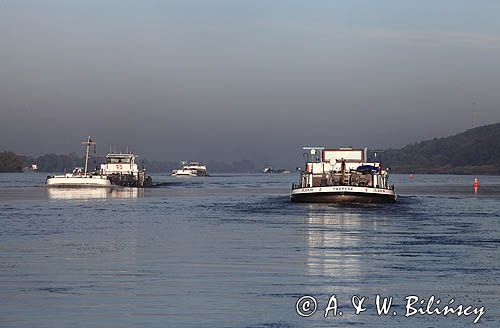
<point x="232" y="251"/>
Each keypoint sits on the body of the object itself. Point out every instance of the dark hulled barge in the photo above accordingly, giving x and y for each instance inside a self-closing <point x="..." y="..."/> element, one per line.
<point x="342" y="175"/>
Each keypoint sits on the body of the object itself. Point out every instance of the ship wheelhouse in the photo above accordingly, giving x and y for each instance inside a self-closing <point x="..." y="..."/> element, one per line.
<point x="120" y="163"/>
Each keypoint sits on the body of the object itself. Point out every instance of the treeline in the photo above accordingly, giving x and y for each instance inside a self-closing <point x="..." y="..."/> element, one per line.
<point x="58" y="163"/>
<point x="242" y="166"/>
<point x="473" y="151"/>
<point x="11" y="162"/>
<point x="53" y="163"/>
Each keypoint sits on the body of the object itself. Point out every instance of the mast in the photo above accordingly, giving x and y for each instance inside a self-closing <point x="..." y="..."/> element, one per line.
<point x="87" y="143"/>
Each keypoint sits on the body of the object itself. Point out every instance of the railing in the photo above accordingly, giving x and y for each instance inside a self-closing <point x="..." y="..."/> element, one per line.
<point x="349" y="181"/>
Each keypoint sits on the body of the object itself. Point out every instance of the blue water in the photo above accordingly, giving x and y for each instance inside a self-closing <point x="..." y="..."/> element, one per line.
<point x="232" y="251"/>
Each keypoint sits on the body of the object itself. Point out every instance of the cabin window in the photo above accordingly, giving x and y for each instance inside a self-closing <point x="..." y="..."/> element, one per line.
<point x="118" y="161"/>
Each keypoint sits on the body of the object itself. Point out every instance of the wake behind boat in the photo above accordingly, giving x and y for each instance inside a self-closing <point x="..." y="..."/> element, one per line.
<point x="342" y="175"/>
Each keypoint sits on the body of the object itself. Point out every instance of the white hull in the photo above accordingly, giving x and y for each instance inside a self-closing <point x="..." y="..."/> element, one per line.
<point x="184" y="173"/>
<point x="93" y="193"/>
<point x="336" y="194"/>
<point x="63" y="181"/>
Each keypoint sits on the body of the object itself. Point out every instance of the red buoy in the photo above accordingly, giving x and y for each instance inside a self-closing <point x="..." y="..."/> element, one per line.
<point x="476" y="184"/>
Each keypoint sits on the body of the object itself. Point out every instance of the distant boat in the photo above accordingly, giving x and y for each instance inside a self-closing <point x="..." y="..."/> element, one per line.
<point x="270" y="169"/>
<point x="342" y="175"/>
<point x="191" y="169"/>
<point x="32" y="168"/>
<point x="79" y="177"/>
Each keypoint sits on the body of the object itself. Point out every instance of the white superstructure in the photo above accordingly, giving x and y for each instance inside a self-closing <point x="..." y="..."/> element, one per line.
<point x="122" y="170"/>
<point x="120" y="163"/>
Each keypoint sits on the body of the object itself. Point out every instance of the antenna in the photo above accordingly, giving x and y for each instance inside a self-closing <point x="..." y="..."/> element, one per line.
<point x="473" y="115"/>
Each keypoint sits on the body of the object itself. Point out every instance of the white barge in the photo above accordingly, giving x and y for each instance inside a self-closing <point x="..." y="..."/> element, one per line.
<point x="120" y="169"/>
<point x="80" y="177"/>
<point x="342" y="175"/>
<point x="77" y="179"/>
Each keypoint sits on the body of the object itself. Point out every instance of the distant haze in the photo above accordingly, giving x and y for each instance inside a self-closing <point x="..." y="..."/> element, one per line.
<point x="234" y="79"/>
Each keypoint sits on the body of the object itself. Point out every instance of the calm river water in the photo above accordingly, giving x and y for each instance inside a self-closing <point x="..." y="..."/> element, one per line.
<point x="232" y="251"/>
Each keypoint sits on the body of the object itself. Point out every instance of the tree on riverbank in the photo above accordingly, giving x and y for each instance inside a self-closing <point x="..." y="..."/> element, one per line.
<point x="11" y="162"/>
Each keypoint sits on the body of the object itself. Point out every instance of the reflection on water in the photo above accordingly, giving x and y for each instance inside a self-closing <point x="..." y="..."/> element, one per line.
<point x="328" y="234"/>
<point x="94" y="193"/>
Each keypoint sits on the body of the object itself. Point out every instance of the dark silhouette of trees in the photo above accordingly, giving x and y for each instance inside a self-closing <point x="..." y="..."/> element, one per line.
<point x="11" y="162"/>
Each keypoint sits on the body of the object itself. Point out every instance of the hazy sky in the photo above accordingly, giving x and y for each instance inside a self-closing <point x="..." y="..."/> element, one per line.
<point x="248" y="79"/>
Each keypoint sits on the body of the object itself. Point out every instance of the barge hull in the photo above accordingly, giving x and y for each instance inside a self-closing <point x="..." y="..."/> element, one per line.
<point x="77" y="182"/>
<point x="343" y="194"/>
<point x="342" y="197"/>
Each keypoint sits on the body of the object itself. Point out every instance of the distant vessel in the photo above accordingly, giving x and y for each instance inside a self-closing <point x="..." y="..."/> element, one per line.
<point x="342" y="175"/>
<point x="80" y="177"/>
<point x="191" y="169"/>
<point x="270" y="169"/>
<point x="121" y="169"/>
<point x="32" y="168"/>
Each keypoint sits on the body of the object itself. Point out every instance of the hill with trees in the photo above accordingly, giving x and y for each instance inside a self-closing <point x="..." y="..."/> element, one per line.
<point x="475" y="151"/>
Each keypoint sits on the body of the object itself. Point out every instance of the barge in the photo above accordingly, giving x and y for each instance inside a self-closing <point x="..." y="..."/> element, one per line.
<point x="120" y="169"/>
<point x="80" y="176"/>
<point x="342" y="175"/>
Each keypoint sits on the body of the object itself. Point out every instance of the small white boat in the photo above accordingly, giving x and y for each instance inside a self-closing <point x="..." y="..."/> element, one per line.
<point x="80" y="177"/>
<point x="191" y="169"/>
<point x="270" y="169"/>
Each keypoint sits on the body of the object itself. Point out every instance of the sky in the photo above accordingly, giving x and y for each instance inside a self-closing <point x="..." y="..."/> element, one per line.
<point x="249" y="79"/>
